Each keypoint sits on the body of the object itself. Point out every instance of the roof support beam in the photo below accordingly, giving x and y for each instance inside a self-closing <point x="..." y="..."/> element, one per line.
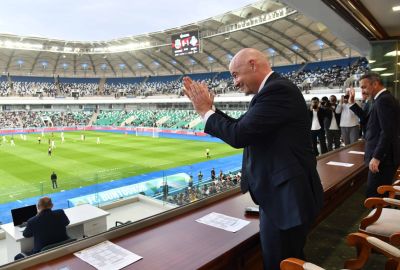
<point x="216" y="59"/>
<point x="56" y="63"/>
<point x="281" y="53"/>
<point x="293" y="41"/>
<point x="141" y="62"/>
<point x="127" y="65"/>
<point x="92" y="63"/>
<point x="319" y="36"/>
<point x="157" y="60"/>
<point x="111" y="66"/>
<point x="9" y="60"/>
<point x="35" y="61"/>
<point x="260" y="36"/>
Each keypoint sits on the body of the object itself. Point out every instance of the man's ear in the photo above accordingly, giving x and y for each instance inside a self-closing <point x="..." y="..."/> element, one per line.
<point x="252" y="64"/>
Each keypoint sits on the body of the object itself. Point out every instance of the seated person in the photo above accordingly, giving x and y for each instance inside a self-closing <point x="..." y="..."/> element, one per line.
<point x="47" y="227"/>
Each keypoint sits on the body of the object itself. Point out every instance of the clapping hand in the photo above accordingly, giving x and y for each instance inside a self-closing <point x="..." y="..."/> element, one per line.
<point x="198" y="93"/>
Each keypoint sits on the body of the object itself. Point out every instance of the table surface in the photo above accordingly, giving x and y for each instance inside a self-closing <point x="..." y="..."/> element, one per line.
<point x="183" y="243"/>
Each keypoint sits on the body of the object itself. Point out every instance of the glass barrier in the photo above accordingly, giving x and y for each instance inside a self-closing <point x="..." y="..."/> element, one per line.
<point x="118" y="191"/>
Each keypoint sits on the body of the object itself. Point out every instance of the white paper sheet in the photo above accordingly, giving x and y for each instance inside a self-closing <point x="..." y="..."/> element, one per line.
<point x="357" y="152"/>
<point x="227" y="223"/>
<point x="107" y="256"/>
<point x="343" y="164"/>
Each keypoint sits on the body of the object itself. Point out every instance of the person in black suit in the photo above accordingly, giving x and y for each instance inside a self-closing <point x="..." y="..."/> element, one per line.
<point x="382" y="138"/>
<point x="279" y="165"/>
<point x="47" y="227"/>
<point x="332" y="126"/>
<point x="317" y="117"/>
<point x="53" y="178"/>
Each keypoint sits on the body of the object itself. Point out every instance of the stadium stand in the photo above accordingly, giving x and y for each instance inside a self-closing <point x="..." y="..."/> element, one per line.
<point x="308" y="76"/>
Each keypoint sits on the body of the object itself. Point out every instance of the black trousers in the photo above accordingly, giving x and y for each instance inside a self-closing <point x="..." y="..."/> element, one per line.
<point x="278" y="245"/>
<point x="333" y="137"/>
<point x="318" y="135"/>
<point x="385" y="176"/>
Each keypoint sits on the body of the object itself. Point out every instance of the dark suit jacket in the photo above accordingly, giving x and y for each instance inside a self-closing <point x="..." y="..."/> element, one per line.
<point x="383" y="130"/>
<point x="321" y="115"/>
<point x="279" y="166"/>
<point x="362" y="113"/>
<point x="329" y="116"/>
<point x="48" y="227"/>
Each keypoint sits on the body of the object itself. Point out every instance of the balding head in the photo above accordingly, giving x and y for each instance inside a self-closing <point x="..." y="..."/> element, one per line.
<point x="249" y="68"/>
<point x="44" y="203"/>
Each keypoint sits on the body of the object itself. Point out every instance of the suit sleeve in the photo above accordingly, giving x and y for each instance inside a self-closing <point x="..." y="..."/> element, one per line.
<point x="271" y="109"/>
<point x="65" y="219"/>
<point x="28" y="232"/>
<point x="386" y="110"/>
<point x="357" y="110"/>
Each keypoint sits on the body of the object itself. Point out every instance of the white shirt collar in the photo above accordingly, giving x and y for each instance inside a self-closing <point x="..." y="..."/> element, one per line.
<point x="380" y="92"/>
<point x="263" y="82"/>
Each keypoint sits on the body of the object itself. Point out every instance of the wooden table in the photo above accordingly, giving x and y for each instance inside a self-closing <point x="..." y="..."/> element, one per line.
<point x="182" y="243"/>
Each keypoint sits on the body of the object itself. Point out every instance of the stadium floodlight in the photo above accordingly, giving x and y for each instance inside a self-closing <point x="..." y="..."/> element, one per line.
<point x="320" y="43"/>
<point x="103" y="66"/>
<point x="295" y="47"/>
<point x="210" y="59"/>
<point x="393" y="53"/>
<point x="378" y="69"/>
<point x="65" y="66"/>
<point x="122" y="66"/>
<point x="271" y="51"/>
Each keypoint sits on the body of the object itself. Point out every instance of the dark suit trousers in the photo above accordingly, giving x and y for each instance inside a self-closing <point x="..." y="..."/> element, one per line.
<point x="320" y="136"/>
<point x="385" y="176"/>
<point x="278" y="245"/>
<point x="333" y="137"/>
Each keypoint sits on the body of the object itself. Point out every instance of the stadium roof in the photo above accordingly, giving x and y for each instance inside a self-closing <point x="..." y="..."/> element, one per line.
<point x="284" y="33"/>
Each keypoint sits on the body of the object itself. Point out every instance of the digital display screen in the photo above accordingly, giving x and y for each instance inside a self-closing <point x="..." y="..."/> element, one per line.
<point x="185" y="43"/>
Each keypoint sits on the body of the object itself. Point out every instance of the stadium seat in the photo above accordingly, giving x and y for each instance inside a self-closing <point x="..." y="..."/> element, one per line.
<point x="382" y="222"/>
<point x="365" y="244"/>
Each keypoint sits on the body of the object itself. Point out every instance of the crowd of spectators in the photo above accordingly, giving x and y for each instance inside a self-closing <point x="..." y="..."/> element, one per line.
<point x="5" y="89"/>
<point x="83" y="89"/>
<point x="35" y="119"/>
<point x="306" y="79"/>
<point x="332" y="77"/>
<point x="34" y="89"/>
<point x="196" y="192"/>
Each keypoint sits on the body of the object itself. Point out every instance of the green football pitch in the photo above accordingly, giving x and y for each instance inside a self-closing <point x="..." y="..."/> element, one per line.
<point x="26" y="167"/>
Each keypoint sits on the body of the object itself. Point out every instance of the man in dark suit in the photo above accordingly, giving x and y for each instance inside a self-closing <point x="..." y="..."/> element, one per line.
<point x="382" y="138"/>
<point x="317" y="118"/>
<point x="332" y="124"/>
<point x="47" y="227"/>
<point x="279" y="166"/>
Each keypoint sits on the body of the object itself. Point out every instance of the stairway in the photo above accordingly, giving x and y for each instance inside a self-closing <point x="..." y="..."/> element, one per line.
<point x="93" y="118"/>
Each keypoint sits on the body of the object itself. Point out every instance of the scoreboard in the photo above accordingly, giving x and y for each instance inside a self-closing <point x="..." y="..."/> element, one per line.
<point x="185" y="43"/>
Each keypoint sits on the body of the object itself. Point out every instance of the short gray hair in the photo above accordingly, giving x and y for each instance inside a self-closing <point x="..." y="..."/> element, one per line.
<point x="372" y="77"/>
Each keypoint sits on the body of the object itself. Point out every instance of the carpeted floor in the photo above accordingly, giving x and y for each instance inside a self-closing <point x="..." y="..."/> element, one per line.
<point x="327" y="246"/>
